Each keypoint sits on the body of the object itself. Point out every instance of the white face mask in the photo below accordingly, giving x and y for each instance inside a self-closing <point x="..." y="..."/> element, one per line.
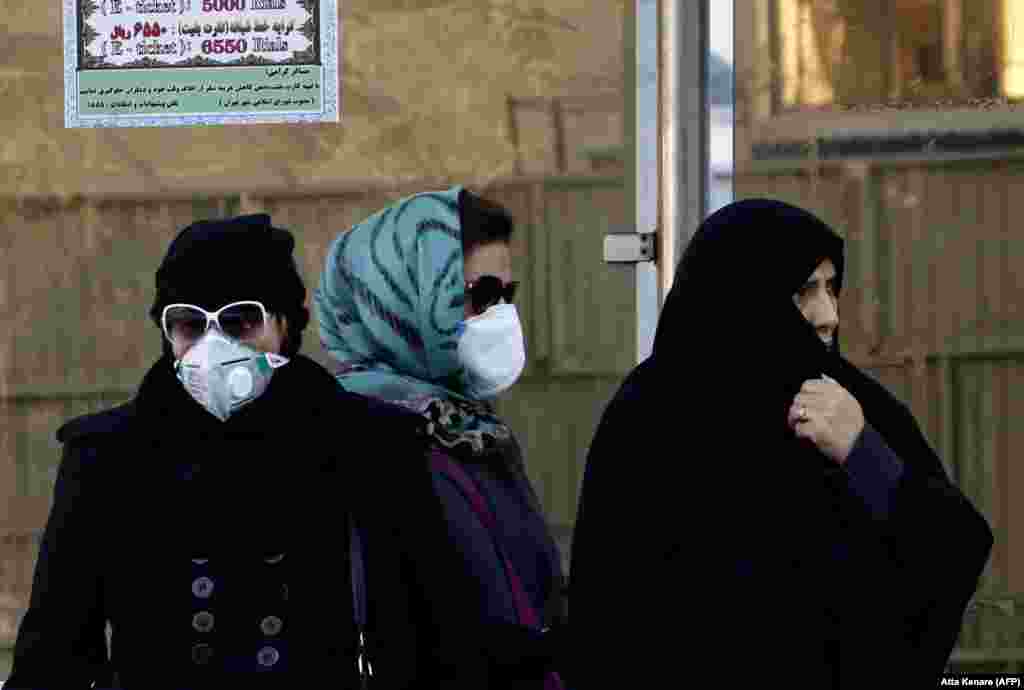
<point x="223" y="375"/>
<point x="492" y="351"/>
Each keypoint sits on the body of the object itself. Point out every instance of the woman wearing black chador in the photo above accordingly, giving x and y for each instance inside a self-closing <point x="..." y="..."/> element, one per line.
<point x="753" y="504"/>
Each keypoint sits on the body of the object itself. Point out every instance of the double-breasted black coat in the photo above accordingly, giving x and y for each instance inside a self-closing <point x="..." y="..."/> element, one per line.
<point x="219" y="551"/>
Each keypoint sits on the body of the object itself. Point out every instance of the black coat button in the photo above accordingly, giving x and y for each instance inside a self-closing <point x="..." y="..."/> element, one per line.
<point x="271" y="626"/>
<point x="202" y="587"/>
<point x="268" y="656"/>
<point x="203" y="621"/>
<point x="202" y="654"/>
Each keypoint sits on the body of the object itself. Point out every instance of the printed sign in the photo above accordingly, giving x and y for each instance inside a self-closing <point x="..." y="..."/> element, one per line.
<point x="200" y="62"/>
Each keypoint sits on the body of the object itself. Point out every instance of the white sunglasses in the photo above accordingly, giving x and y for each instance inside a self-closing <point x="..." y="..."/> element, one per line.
<point x="184" y="324"/>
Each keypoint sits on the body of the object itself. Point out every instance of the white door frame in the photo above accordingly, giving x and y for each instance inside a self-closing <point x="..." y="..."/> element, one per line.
<point x="678" y="203"/>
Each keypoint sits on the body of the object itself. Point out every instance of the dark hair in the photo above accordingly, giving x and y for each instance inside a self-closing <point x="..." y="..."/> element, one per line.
<point x="203" y="267"/>
<point x="295" y="312"/>
<point x="482" y="221"/>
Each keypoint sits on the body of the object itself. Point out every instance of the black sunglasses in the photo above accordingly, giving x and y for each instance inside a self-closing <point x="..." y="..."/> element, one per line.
<point x="486" y="291"/>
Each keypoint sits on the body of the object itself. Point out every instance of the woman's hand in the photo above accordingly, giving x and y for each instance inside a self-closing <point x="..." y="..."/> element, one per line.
<point x="827" y="415"/>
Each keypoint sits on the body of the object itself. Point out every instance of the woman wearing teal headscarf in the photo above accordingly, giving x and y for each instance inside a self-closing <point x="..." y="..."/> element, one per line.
<point x="415" y="309"/>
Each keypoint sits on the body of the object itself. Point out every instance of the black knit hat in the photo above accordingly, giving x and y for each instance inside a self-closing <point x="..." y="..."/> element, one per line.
<point x="215" y="262"/>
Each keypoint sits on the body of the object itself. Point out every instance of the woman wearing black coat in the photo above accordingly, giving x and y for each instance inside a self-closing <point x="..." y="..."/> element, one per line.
<point x="788" y="520"/>
<point x="207" y="520"/>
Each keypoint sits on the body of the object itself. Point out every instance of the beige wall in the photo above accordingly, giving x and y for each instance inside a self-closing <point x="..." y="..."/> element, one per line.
<point x="424" y="91"/>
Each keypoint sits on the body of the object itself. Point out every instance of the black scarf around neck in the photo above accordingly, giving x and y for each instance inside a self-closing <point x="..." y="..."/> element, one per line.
<point x="248" y="483"/>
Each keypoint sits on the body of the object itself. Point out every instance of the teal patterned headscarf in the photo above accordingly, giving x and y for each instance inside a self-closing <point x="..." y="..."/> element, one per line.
<point x="390" y="308"/>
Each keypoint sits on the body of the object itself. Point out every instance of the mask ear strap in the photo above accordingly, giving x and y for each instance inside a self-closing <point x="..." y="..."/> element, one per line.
<point x="276" y="361"/>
